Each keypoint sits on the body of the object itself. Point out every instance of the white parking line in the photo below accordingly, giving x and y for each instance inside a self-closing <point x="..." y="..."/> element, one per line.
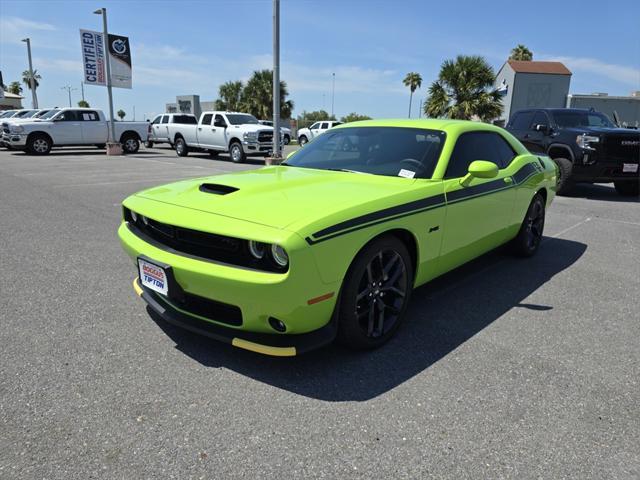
<point x="568" y="229"/>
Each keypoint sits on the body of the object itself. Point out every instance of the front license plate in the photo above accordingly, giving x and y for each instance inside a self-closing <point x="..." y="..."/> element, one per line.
<point x="153" y="277"/>
<point x="629" y="167"/>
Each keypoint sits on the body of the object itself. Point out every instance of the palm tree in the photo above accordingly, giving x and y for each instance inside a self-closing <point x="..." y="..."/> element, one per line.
<point x="121" y="113"/>
<point x="26" y="79"/>
<point x="521" y="52"/>
<point x="15" y="88"/>
<point x="83" y="104"/>
<point x="413" y="80"/>
<point x="464" y="90"/>
<point x="230" y="94"/>
<point x="257" y="96"/>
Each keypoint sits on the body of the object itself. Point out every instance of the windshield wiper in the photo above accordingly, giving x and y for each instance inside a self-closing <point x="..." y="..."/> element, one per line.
<point x="346" y="170"/>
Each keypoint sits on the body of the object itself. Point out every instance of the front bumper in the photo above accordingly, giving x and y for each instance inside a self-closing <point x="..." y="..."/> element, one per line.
<point x="14" y="140"/>
<point x="604" y="171"/>
<point x="277" y="345"/>
<point x="258" y="148"/>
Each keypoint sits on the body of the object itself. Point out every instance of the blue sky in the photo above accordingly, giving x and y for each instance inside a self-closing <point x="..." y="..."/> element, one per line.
<point x="185" y="47"/>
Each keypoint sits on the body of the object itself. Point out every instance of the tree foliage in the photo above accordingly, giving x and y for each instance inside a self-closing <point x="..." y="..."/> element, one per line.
<point x="307" y="118"/>
<point x="354" y="117"/>
<point x="15" y="88"/>
<point x="464" y="91"/>
<point x="84" y="104"/>
<point x="230" y="94"/>
<point x="521" y="52"/>
<point x="413" y="80"/>
<point x="26" y="79"/>
<point x="121" y="113"/>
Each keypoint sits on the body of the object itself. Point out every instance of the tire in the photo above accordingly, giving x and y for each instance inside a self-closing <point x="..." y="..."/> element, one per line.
<point x="101" y="146"/>
<point x="39" y="144"/>
<point x="130" y="144"/>
<point x="213" y="153"/>
<point x="529" y="236"/>
<point x="302" y="141"/>
<point x="565" y="183"/>
<point x="286" y="140"/>
<point x="628" y="188"/>
<point x="148" y="144"/>
<point x="358" y="318"/>
<point x="236" y="152"/>
<point x="182" y="150"/>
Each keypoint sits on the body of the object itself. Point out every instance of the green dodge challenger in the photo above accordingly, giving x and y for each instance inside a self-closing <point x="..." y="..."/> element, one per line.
<point x="330" y="244"/>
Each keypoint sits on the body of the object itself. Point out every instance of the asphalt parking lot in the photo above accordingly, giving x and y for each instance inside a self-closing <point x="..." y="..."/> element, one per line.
<point x="506" y="368"/>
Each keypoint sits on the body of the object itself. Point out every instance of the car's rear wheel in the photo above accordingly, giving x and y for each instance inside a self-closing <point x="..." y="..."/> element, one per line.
<point x="182" y="150"/>
<point x="236" y="153"/>
<point x="39" y="145"/>
<point x="628" y="188"/>
<point x="375" y="294"/>
<point x="303" y="140"/>
<point x="130" y="144"/>
<point x="565" y="183"/>
<point x="529" y="236"/>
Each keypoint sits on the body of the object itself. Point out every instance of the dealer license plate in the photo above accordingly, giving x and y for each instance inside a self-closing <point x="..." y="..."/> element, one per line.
<point x="153" y="277"/>
<point x="629" y="167"/>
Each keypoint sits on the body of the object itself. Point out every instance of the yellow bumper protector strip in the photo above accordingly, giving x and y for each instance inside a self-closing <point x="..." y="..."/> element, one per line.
<point x="136" y="287"/>
<point x="264" y="349"/>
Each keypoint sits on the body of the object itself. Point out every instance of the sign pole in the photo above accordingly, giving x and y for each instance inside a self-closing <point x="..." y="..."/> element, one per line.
<point x="32" y="81"/>
<point x="112" y="129"/>
<point x="277" y="151"/>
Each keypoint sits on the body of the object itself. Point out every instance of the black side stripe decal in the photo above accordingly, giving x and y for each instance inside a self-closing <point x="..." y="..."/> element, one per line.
<point x="422" y="205"/>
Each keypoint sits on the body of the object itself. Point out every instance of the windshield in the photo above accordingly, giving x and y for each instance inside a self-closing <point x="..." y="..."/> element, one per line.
<point x="573" y="119"/>
<point x="389" y="151"/>
<point x="241" y="119"/>
<point x="40" y="114"/>
<point x="23" y="114"/>
<point x="7" y="114"/>
<point x="50" y="113"/>
<point x="30" y="114"/>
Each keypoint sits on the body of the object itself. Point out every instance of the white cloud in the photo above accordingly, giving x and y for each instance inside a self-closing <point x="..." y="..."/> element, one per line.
<point x="620" y="73"/>
<point x="22" y="24"/>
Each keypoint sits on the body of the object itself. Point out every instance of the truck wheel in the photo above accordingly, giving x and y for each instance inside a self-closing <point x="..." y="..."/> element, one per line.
<point x="302" y="140"/>
<point x="148" y="144"/>
<point x="286" y="140"/>
<point x="130" y="144"/>
<point x="628" y="188"/>
<point x="39" y="144"/>
<point x="529" y="237"/>
<point x="565" y="183"/>
<point x="181" y="147"/>
<point x="236" y="153"/>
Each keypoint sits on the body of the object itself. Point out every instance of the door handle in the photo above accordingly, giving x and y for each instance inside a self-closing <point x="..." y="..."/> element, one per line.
<point x="508" y="180"/>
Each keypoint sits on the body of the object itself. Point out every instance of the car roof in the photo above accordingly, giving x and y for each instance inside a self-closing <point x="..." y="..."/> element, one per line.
<point x="444" y="124"/>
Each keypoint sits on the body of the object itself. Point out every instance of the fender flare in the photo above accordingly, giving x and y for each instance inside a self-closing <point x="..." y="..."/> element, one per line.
<point x="564" y="147"/>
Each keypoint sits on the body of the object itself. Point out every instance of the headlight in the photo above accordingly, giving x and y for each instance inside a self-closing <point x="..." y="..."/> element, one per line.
<point x="250" y="135"/>
<point x="134" y="216"/>
<point x="585" y="141"/>
<point x="279" y="255"/>
<point x="257" y="249"/>
<point x="16" y="128"/>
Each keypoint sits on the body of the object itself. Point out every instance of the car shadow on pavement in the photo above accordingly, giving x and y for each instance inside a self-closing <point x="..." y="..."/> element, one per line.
<point x="443" y="314"/>
<point x="600" y="191"/>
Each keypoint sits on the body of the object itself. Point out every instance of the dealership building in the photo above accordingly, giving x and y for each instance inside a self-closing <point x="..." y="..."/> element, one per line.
<point x="533" y="84"/>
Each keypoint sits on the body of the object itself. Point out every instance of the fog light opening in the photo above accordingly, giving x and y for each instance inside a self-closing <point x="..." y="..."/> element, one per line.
<point x="277" y="325"/>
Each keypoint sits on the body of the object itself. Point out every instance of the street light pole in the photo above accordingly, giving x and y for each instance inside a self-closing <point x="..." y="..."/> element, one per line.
<point x="333" y="93"/>
<point x="112" y="129"/>
<point x="277" y="150"/>
<point x="68" y="88"/>
<point x="32" y="81"/>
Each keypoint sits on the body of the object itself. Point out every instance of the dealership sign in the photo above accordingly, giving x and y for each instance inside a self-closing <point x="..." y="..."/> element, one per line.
<point x="94" y="55"/>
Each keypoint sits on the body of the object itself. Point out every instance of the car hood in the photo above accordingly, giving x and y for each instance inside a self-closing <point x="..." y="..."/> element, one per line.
<point x="279" y="196"/>
<point x="250" y="127"/>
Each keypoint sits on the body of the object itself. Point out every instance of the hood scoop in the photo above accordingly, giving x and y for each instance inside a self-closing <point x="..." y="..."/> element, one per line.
<point x="216" y="189"/>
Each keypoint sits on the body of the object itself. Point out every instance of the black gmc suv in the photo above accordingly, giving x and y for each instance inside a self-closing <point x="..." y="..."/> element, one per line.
<point x="585" y="144"/>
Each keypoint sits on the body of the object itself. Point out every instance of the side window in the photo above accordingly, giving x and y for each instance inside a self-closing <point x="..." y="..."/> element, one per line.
<point x="324" y="126"/>
<point x="156" y="120"/>
<point x="68" y="116"/>
<point x="521" y="121"/>
<point x="89" y="116"/>
<point x="540" y="118"/>
<point x="314" y="126"/>
<point x="478" y="146"/>
<point x="219" y="121"/>
<point x="165" y="119"/>
<point x="206" y="119"/>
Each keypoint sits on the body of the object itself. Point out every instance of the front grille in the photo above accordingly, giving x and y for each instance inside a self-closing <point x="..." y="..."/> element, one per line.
<point x="206" y="308"/>
<point x="265" y="136"/>
<point x="204" y="245"/>
<point x="615" y="149"/>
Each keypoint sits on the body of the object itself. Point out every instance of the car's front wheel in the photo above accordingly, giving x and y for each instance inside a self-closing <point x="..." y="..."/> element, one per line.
<point x="529" y="236"/>
<point x="628" y="188"/>
<point x="39" y="144"/>
<point x="302" y="140"/>
<point x="375" y="294"/>
<point x="236" y="153"/>
<point x="286" y="140"/>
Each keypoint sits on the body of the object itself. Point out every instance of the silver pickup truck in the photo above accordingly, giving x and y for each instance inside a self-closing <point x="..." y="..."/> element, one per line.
<point x="239" y="134"/>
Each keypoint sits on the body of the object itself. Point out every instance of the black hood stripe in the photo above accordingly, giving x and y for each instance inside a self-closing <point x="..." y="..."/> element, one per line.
<point x="419" y="206"/>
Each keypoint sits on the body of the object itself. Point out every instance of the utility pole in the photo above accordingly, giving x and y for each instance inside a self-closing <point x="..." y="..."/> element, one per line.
<point x="68" y="88"/>
<point x="333" y="93"/>
<point x="82" y="88"/>
<point x="277" y="150"/>
<point x="32" y="81"/>
<point x="112" y="130"/>
<point x="134" y="113"/>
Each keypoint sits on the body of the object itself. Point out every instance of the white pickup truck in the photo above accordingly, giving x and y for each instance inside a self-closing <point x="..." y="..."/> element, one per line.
<point x="71" y="126"/>
<point x="162" y="128"/>
<point x="305" y="135"/>
<point x="240" y="134"/>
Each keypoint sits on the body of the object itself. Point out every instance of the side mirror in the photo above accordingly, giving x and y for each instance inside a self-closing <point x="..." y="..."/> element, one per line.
<point x="479" y="169"/>
<point x="541" y="128"/>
